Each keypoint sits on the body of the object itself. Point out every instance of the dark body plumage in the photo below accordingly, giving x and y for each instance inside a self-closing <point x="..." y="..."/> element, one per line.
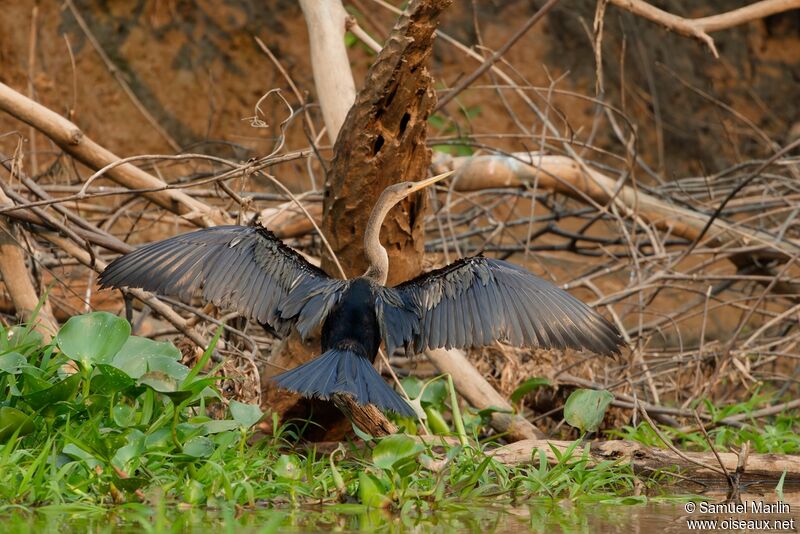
<point x="471" y="302"/>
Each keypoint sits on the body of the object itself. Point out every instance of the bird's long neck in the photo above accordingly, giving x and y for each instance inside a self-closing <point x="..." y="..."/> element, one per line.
<point x="378" y="258"/>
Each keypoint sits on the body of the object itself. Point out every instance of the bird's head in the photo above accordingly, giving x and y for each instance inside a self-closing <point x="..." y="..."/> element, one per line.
<point x="397" y="192"/>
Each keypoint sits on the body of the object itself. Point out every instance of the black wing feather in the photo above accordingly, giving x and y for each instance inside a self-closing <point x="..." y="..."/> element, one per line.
<point x="241" y="267"/>
<point x="477" y="300"/>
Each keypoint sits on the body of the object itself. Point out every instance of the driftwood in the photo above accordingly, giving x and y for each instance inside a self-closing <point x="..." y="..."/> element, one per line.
<point x="647" y="460"/>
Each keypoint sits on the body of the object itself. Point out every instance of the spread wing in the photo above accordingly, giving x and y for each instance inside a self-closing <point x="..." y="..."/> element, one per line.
<point x="476" y="301"/>
<point x="244" y="268"/>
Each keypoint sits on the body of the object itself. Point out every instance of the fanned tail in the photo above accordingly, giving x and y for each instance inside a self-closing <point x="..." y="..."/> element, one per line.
<point x="343" y="371"/>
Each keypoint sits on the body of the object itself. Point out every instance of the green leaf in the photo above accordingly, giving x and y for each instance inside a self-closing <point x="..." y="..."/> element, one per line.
<point x="12" y="363"/>
<point x="437" y="422"/>
<point x="159" y="382"/>
<point x="124" y="415"/>
<point x="110" y="380"/>
<point x="131" y="484"/>
<point x="528" y="386"/>
<point x="395" y="450"/>
<point x="93" y="338"/>
<point x="217" y="426"/>
<point x="20" y="338"/>
<point x="12" y="420"/>
<point x="371" y="491"/>
<point x="287" y="466"/>
<point x="585" y="408"/>
<point x="245" y="414"/>
<point x="131" y="451"/>
<point x="59" y="392"/>
<point x="139" y="355"/>
<point x="199" y="447"/>
<point x="194" y="492"/>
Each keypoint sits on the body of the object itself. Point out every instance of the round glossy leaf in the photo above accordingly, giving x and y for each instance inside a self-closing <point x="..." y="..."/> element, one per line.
<point x="585" y="408"/>
<point x="110" y="380"/>
<point x="194" y="492"/>
<point x="124" y="415"/>
<point x="137" y="353"/>
<point x="245" y="414"/>
<point x="12" y="420"/>
<point x="371" y="491"/>
<point x="93" y="338"/>
<point x="59" y="392"/>
<point x="528" y="386"/>
<point x="12" y="363"/>
<point x="394" y="450"/>
<point x="131" y="451"/>
<point x="199" y="447"/>
<point x="287" y="466"/>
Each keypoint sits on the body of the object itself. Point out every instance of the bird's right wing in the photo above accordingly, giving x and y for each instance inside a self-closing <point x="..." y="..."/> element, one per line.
<point x="240" y="267"/>
<point x="476" y="301"/>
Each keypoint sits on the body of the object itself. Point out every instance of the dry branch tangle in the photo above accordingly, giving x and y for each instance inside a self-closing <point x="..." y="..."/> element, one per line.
<point x="77" y="144"/>
<point x="564" y="175"/>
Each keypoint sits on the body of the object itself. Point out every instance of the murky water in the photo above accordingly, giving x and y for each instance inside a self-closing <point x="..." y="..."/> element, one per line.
<point x="622" y="515"/>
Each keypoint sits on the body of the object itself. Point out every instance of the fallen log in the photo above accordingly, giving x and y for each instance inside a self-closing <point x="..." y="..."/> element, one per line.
<point x="648" y="460"/>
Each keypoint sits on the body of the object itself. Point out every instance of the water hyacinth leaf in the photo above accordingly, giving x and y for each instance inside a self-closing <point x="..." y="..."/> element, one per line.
<point x="139" y="355"/>
<point x="371" y="491"/>
<point x="124" y="415"/>
<point x="93" y="338"/>
<point x="59" y="392"/>
<point x="194" y="492"/>
<point x="159" y="382"/>
<point x="217" y="426"/>
<point x="245" y="414"/>
<point x="161" y="439"/>
<point x="110" y="380"/>
<point x="13" y="420"/>
<point x="287" y="466"/>
<point x="585" y="408"/>
<point x="131" y="484"/>
<point x="166" y="385"/>
<point x="12" y="363"/>
<point x="130" y="451"/>
<point x="528" y="386"/>
<point x="199" y="447"/>
<point x="395" y="450"/>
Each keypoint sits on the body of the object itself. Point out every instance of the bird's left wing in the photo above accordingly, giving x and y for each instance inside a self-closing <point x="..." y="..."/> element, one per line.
<point x="240" y="267"/>
<point x="476" y="301"/>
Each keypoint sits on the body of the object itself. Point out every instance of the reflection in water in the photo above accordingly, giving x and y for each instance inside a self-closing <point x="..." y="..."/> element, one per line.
<point x="534" y="516"/>
<point x="624" y="514"/>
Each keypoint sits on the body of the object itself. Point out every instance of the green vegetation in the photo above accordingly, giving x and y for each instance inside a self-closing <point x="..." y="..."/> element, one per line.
<point x="100" y="417"/>
<point x="100" y="422"/>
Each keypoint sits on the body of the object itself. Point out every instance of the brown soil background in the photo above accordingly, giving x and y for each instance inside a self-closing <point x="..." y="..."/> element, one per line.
<point x="197" y="69"/>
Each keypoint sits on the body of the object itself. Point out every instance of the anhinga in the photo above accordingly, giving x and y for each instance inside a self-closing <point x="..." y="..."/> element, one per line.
<point x="471" y="302"/>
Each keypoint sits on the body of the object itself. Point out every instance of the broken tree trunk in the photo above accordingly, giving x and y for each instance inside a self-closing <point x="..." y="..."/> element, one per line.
<point x="382" y="142"/>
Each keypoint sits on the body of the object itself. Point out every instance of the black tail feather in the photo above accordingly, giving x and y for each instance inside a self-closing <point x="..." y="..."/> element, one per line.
<point x="343" y="371"/>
